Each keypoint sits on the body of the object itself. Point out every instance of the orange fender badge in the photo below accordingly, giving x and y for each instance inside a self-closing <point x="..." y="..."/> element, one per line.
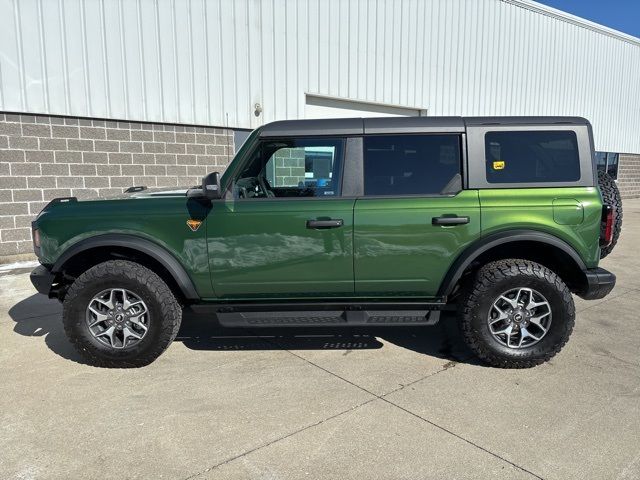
<point x="194" y="224"/>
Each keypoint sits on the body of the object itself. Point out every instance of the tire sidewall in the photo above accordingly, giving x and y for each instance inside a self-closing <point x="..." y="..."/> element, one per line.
<point x="561" y="317"/>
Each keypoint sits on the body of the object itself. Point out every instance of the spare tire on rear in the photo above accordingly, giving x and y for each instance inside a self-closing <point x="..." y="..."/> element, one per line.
<point x="611" y="196"/>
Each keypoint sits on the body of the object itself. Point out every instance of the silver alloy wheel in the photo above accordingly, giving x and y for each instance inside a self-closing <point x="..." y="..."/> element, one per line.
<point x="519" y="318"/>
<point x="117" y="318"/>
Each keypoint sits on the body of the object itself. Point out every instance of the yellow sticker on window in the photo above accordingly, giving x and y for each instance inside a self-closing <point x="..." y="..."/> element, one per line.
<point x="498" y="165"/>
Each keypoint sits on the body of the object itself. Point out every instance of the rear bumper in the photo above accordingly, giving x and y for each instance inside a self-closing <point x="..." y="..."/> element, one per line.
<point x="42" y="279"/>
<point x="600" y="282"/>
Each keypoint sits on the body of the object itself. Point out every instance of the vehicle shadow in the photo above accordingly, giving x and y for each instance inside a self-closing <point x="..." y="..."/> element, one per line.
<point x="38" y="316"/>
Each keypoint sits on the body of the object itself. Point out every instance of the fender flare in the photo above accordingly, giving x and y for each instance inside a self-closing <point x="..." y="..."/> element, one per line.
<point x="157" y="252"/>
<point x="502" y="238"/>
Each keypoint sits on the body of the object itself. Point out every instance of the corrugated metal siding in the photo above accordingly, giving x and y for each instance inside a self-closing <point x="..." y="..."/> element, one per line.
<point x="211" y="61"/>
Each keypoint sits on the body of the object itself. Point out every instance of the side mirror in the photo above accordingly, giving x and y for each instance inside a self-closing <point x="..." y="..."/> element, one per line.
<point x="211" y="186"/>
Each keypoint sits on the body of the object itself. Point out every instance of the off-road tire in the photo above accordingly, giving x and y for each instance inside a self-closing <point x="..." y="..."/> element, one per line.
<point x="164" y="311"/>
<point x="490" y="281"/>
<point x="611" y="196"/>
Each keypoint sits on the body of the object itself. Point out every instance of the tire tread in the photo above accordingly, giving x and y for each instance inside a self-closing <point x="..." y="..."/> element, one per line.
<point x="480" y="285"/>
<point x="169" y="307"/>
<point x="611" y="196"/>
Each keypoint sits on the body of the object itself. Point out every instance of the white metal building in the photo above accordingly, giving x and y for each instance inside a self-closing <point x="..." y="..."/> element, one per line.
<point x="242" y="63"/>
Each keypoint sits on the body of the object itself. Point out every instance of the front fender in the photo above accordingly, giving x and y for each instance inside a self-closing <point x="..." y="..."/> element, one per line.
<point x="132" y="242"/>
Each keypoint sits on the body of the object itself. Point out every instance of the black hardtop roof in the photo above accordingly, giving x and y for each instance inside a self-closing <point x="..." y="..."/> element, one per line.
<point x="359" y="126"/>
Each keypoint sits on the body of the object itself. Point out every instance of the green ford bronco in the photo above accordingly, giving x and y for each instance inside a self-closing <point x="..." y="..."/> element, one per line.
<point x="347" y="222"/>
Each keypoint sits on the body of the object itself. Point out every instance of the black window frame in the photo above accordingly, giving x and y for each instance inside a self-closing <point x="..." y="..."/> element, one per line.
<point x="344" y="150"/>
<point x="461" y="164"/>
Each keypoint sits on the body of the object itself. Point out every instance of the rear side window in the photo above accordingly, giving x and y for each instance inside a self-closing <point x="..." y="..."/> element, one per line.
<point x="410" y="164"/>
<point x="532" y="157"/>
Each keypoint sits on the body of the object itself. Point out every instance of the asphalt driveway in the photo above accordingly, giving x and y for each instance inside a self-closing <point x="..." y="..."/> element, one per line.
<point x="411" y="404"/>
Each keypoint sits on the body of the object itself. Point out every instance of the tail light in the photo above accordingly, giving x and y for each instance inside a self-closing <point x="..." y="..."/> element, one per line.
<point x="606" y="230"/>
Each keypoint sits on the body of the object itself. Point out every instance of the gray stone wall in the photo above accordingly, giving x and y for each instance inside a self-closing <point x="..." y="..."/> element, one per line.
<point x="289" y="167"/>
<point x="43" y="157"/>
<point x="629" y="176"/>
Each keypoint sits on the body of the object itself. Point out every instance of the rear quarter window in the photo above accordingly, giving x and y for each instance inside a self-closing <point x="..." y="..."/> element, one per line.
<point x="532" y="157"/>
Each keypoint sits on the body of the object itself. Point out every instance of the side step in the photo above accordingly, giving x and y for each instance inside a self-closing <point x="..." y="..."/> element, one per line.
<point x="323" y="315"/>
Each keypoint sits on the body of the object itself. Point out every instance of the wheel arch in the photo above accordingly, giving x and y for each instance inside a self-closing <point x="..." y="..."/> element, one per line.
<point x="541" y="247"/>
<point x="94" y="250"/>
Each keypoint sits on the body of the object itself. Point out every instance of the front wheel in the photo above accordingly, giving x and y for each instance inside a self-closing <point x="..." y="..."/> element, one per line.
<point x="516" y="314"/>
<point x="120" y="314"/>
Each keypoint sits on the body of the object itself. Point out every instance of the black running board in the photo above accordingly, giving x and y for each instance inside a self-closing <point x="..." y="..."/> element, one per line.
<point x="323" y="314"/>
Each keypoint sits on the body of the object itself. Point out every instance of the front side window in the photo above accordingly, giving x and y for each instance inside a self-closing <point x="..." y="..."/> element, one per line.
<point x="410" y="164"/>
<point x="296" y="167"/>
<point x="532" y="157"/>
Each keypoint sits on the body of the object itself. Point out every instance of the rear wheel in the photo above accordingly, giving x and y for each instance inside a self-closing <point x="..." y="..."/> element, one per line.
<point x="516" y="313"/>
<point x="611" y="196"/>
<point x="120" y="314"/>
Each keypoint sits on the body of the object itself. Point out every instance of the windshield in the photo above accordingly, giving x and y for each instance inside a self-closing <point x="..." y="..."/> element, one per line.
<point x="246" y="147"/>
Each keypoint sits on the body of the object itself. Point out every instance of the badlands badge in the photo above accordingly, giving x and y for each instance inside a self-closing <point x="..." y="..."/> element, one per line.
<point x="194" y="225"/>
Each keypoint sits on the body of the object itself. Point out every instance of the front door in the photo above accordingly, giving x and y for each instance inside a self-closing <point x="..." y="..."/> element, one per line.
<point x="286" y="231"/>
<point x="414" y="218"/>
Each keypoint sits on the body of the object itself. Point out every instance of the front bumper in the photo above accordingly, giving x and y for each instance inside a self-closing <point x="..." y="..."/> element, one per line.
<point x="42" y="279"/>
<point x="600" y="282"/>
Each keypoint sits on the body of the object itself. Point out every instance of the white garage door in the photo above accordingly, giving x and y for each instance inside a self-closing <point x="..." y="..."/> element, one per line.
<point x="324" y="107"/>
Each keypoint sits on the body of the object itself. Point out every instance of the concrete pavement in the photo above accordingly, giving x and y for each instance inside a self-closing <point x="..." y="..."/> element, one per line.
<point x="411" y="404"/>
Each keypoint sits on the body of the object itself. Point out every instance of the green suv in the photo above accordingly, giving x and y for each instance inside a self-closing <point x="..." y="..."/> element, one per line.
<point x="347" y="222"/>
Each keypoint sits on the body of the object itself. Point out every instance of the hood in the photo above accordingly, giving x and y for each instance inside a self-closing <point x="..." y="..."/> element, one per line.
<point x="140" y="192"/>
<point x="105" y="201"/>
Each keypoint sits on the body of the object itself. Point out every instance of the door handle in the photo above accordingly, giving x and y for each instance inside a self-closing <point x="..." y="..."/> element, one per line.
<point x="445" y="220"/>
<point x="323" y="224"/>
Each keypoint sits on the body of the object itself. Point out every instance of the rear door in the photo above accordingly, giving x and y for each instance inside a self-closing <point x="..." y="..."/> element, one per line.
<point x="414" y="218"/>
